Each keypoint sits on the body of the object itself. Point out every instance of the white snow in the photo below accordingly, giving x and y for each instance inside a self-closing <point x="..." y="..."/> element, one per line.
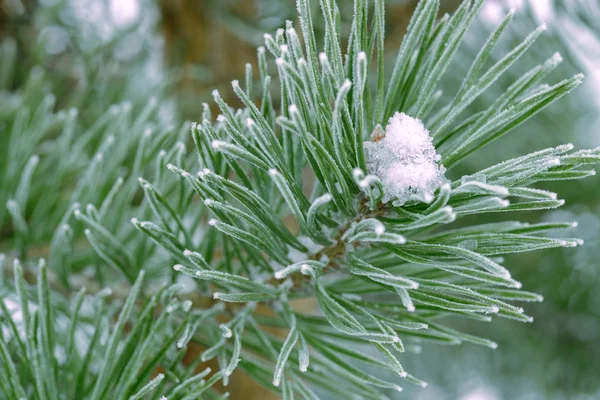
<point x="405" y="161"/>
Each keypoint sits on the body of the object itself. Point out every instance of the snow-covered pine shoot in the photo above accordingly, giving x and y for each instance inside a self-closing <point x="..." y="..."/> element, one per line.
<point x="368" y="237"/>
<point x="405" y="160"/>
<point x="384" y="273"/>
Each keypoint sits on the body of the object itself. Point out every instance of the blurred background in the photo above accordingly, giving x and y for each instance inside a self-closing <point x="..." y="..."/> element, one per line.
<point x="95" y="54"/>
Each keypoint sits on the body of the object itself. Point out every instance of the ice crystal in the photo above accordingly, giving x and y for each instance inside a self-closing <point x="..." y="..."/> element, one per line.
<point x="405" y="160"/>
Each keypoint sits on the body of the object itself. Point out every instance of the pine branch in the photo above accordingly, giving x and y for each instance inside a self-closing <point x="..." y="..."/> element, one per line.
<point x="69" y="346"/>
<point x="250" y="175"/>
<point x="346" y="195"/>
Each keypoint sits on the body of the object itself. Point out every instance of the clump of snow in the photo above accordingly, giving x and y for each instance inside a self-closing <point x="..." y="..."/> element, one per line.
<point x="405" y="160"/>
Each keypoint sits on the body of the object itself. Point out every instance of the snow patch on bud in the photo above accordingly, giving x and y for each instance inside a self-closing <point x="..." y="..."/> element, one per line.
<point x="405" y="160"/>
<point x="187" y="252"/>
<point x="177" y="267"/>
<point x="212" y="222"/>
<point x="279" y="61"/>
<point x="273" y="172"/>
<point x="235" y="84"/>
<point x="362" y="56"/>
<point x="293" y="108"/>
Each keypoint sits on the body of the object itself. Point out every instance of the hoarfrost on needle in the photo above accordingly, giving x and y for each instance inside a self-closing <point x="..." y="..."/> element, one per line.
<point x="405" y="160"/>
